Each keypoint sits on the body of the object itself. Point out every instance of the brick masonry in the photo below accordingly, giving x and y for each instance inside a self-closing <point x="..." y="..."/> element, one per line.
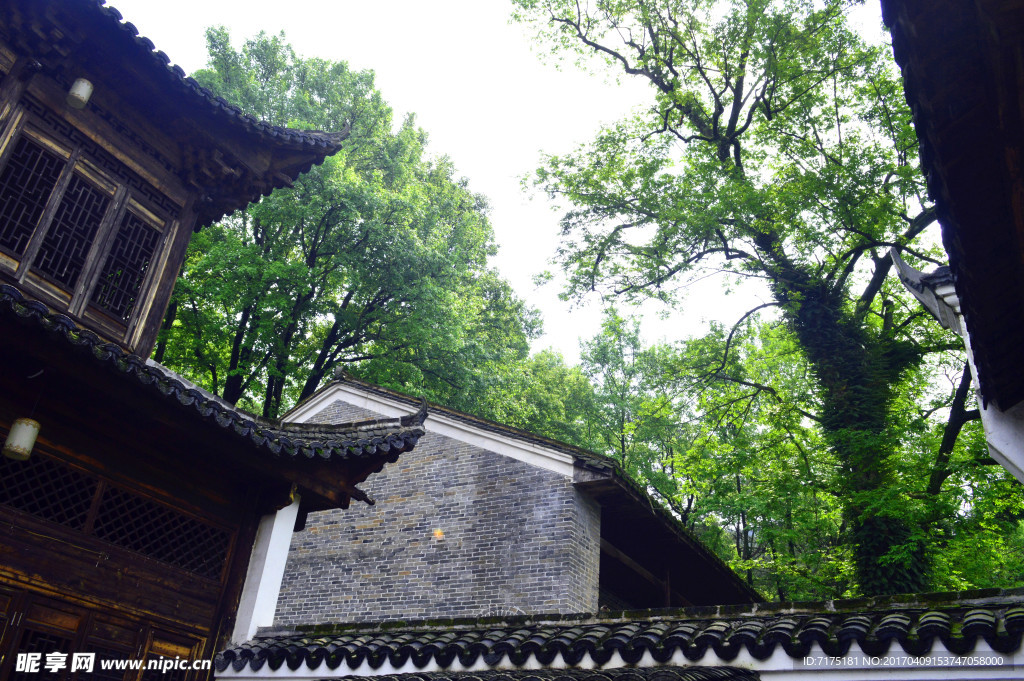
<point x="458" y="531"/>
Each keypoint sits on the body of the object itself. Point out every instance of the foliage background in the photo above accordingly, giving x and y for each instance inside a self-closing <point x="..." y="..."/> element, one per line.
<point x="377" y="262"/>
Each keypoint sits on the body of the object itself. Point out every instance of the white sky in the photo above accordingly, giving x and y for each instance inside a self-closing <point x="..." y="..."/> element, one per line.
<point x="485" y="94"/>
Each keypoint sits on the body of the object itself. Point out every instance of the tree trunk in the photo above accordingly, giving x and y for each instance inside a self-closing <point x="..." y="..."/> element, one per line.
<point x="858" y="374"/>
<point x="240" y="355"/>
<point x="161" y="346"/>
<point x="858" y="371"/>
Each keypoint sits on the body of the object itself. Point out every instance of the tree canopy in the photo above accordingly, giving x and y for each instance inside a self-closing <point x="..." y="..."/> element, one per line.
<point x="375" y="260"/>
<point x="738" y="455"/>
<point x="777" y="146"/>
<point x="823" y="445"/>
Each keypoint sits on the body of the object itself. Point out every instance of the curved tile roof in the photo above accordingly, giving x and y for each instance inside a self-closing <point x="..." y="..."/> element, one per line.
<point x="361" y="440"/>
<point x="958" y="621"/>
<point x="622" y="674"/>
<point x="252" y="157"/>
<point x="961" y="76"/>
<point x="161" y="64"/>
<point x="591" y="459"/>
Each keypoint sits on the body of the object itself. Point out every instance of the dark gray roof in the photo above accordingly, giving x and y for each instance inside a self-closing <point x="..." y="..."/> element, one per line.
<point x="85" y="33"/>
<point x="958" y="620"/>
<point x="161" y="65"/>
<point x="580" y="455"/>
<point x="961" y="75"/>
<point x="940" y="276"/>
<point x="364" y="439"/>
<point x="620" y="674"/>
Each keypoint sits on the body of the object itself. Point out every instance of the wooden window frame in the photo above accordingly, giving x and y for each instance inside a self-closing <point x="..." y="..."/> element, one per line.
<point x="107" y="494"/>
<point x="77" y="302"/>
<point x="110" y="634"/>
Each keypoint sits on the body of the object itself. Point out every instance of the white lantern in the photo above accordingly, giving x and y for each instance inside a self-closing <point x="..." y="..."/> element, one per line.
<point x="21" y="439"/>
<point x="78" y="95"/>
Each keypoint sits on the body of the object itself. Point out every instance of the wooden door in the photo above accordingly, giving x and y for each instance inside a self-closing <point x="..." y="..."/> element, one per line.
<point x="69" y="641"/>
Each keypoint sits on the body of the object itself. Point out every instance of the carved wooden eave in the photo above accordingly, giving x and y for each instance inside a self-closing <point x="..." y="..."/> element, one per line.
<point x="168" y="413"/>
<point x="233" y="174"/>
<point x="231" y="158"/>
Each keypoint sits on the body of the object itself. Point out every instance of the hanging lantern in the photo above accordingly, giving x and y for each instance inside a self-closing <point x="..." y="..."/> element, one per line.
<point x="21" y="439"/>
<point x="79" y="94"/>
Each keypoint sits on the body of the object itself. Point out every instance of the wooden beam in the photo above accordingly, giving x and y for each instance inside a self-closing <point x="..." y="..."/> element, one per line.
<point x="663" y="585"/>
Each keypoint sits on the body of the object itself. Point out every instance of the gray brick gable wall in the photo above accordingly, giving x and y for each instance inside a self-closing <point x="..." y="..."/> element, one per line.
<point x="458" y="531"/>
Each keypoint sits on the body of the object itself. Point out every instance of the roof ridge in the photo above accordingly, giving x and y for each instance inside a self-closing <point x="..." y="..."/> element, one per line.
<point x="921" y="625"/>
<point x="342" y="377"/>
<point x="218" y="105"/>
<point x="935" y="601"/>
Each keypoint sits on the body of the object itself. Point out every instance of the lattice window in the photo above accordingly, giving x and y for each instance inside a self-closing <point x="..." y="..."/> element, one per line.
<point x="26" y="183"/>
<point x="105" y="160"/>
<point x="58" y="223"/>
<point x="125" y="267"/>
<point x="154" y="530"/>
<point x="71" y="234"/>
<point x="47" y="489"/>
<point x="44" y="642"/>
<point x="51" y="490"/>
<point x="40" y="642"/>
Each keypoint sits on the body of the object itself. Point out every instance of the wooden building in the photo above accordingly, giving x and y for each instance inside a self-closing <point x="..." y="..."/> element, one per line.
<point x="143" y="521"/>
<point x="963" y="72"/>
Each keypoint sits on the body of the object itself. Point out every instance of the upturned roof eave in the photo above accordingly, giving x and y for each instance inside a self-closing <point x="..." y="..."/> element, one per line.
<point x="285" y="441"/>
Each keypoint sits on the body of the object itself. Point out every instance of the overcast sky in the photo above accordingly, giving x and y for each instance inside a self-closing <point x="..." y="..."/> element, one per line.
<point x="485" y="94"/>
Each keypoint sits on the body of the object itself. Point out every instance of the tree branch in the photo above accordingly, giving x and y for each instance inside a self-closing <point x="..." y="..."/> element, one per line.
<point x="958" y="416"/>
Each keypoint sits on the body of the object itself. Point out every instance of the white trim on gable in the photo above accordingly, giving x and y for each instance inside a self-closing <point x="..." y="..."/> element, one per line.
<point x="440" y="423"/>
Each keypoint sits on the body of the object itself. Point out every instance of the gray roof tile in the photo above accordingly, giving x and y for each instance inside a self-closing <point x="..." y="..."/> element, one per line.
<point x="959" y="621"/>
<point x="622" y="674"/>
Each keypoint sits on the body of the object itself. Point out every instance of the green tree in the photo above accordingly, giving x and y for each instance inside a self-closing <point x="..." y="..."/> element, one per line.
<point x="542" y="395"/>
<point x="753" y="456"/>
<point x="376" y="260"/>
<point x="635" y="411"/>
<point x="778" y="146"/>
<point x="733" y="457"/>
<point x="737" y="451"/>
